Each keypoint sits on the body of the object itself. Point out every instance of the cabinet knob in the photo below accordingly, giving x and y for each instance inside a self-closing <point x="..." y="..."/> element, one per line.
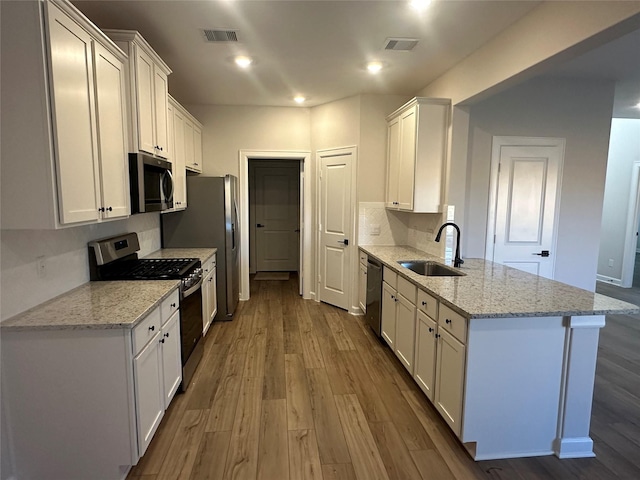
<point x="437" y="335"/>
<point x="110" y="209"/>
<point x="101" y="209"/>
<point x="162" y="340"/>
<point x="430" y="329"/>
<point x="447" y="321"/>
<point x="152" y="328"/>
<point x="196" y="163"/>
<point x="424" y="304"/>
<point x="173" y="305"/>
<point x="166" y="334"/>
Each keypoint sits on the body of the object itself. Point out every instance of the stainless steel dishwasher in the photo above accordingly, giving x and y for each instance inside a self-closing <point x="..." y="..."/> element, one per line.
<point x="374" y="294"/>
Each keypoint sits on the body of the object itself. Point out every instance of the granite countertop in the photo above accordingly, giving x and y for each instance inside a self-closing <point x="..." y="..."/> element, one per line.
<point x="95" y="305"/>
<point x="102" y="305"/>
<point x="203" y="254"/>
<point x="491" y="290"/>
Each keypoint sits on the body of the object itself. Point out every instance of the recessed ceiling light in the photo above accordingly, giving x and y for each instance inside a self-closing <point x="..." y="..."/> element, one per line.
<point x="419" y="4"/>
<point x="374" y="67"/>
<point x="299" y="99"/>
<point x="638" y="105"/>
<point x="243" y="62"/>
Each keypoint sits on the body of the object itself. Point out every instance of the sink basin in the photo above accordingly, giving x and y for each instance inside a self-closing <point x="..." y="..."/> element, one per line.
<point x="430" y="269"/>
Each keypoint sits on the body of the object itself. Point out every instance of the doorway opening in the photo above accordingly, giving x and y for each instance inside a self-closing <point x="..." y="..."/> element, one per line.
<point x="270" y="160"/>
<point x="274" y="218"/>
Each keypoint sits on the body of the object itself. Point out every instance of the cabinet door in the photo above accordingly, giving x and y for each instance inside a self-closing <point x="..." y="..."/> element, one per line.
<point x="206" y="299"/>
<point x="179" y="172"/>
<point x="160" y="103"/>
<point x="405" y="331"/>
<point x="171" y="362"/>
<point x="362" y="288"/>
<point x="73" y="108"/>
<point x="450" y="379"/>
<point x="393" y="162"/>
<point x="213" y="296"/>
<point x="388" y="320"/>
<point x="148" y="384"/>
<point x="407" y="159"/>
<point x="112" y="133"/>
<point x="425" y="357"/>
<point x="197" y="148"/>
<point x="189" y="154"/>
<point x="144" y="92"/>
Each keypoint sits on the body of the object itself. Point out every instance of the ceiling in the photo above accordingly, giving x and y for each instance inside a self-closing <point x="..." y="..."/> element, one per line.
<point x="319" y="49"/>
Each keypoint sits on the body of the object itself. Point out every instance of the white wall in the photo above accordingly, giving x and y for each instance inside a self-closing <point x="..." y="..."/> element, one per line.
<point x="624" y="149"/>
<point x="229" y="129"/>
<point x="65" y="255"/>
<point x="580" y="112"/>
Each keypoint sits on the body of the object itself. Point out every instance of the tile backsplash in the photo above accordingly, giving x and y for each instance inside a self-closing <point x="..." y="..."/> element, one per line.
<point x="379" y="226"/>
<point x="64" y="255"/>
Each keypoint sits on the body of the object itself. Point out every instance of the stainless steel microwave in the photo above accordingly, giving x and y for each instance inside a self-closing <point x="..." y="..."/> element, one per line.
<point x="151" y="183"/>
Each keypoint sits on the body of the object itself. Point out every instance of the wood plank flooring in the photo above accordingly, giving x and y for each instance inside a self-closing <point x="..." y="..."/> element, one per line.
<point x="294" y="389"/>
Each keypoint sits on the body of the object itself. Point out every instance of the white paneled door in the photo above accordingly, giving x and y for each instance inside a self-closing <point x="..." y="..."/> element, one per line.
<point x="337" y="246"/>
<point x="277" y="217"/>
<point x="526" y="192"/>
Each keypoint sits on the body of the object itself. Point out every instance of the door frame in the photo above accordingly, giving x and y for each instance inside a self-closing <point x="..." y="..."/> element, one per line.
<point x="354" y="308"/>
<point x="304" y="157"/>
<point x="631" y="240"/>
<point x="497" y="143"/>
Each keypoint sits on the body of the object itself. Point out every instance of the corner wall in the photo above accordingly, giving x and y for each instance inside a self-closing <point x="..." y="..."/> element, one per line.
<point x="580" y="112"/>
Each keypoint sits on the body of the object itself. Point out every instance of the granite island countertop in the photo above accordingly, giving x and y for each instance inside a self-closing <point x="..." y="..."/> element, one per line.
<point x="95" y="305"/>
<point x="492" y="290"/>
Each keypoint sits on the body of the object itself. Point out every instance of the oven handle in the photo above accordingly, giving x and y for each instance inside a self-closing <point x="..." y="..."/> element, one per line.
<point x="193" y="289"/>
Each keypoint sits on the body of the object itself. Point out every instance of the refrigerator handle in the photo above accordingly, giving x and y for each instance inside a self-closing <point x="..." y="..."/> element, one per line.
<point x="233" y="225"/>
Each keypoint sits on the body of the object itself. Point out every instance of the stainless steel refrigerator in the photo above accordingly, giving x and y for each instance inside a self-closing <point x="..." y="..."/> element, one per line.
<point x="210" y="220"/>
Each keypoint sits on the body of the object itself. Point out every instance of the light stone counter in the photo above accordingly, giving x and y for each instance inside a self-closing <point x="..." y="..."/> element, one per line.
<point x="95" y="305"/>
<point x="202" y="253"/>
<point x="491" y="290"/>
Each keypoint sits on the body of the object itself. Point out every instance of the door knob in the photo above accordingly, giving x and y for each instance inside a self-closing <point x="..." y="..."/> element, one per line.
<point x="543" y="253"/>
<point x="344" y="242"/>
<point x="259" y="225"/>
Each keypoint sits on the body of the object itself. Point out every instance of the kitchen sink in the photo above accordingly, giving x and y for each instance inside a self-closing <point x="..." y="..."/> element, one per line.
<point x="430" y="269"/>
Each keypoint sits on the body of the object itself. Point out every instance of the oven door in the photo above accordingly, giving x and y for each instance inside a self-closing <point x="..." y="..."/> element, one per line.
<point x="191" y="331"/>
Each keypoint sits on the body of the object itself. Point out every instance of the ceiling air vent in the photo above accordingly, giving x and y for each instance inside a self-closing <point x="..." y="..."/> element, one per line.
<point x="400" y="44"/>
<point x="220" y="35"/>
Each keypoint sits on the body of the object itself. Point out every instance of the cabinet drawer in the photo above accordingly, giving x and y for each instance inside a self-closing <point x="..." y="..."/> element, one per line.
<point x="363" y="258"/>
<point x="170" y="305"/>
<point x="453" y="322"/>
<point x="208" y="266"/>
<point x="407" y="289"/>
<point x="390" y="277"/>
<point x="146" y="330"/>
<point x="428" y="304"/>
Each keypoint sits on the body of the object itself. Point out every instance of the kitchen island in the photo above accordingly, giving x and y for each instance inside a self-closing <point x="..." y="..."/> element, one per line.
<point x="506" y="357"/>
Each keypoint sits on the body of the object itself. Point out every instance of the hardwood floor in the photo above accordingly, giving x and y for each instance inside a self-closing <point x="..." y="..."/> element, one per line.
<point x="294" y="389"/>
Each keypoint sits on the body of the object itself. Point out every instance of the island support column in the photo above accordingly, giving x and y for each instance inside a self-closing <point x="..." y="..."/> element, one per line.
<point x="576" y="397"/>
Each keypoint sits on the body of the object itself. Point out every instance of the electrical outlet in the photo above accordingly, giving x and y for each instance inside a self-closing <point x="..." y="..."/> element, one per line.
<point x="41" y="267"/>
<point x="611" y="262"/>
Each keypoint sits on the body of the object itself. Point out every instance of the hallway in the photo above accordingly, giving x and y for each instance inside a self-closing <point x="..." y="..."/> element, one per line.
<point x="294" y="389"/>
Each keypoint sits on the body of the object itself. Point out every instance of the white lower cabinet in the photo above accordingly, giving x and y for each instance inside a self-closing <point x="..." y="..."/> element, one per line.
<point x="85" y="403"/>
<point x="209" y="294"/>
<point x="388" y="314"/>
<point x="424" y="371"/>
<point x="406" y="323"/>
<point x="450" y="367"/>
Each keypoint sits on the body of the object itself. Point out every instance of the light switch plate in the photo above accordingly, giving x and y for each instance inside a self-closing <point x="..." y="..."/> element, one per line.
<point x="374" y="229"/>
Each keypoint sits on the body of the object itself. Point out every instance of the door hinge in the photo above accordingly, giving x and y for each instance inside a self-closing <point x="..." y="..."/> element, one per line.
<point x="494" y="238"/>
<point x="499" y="166"/>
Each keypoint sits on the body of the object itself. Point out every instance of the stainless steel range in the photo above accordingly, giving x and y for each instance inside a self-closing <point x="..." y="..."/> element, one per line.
<point x="116" y="258"/>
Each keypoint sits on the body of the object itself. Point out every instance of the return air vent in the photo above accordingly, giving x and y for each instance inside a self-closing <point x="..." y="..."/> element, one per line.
<point x="400" y="44"/>
<point x="218" y="35"/>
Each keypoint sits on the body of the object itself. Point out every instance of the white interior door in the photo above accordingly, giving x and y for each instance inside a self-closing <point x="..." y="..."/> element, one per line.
<point x="526" y="190"/>
<point x="277" y="217"/>
<point x="336" y="226"/>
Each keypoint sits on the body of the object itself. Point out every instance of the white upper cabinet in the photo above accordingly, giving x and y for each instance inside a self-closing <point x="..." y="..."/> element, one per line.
<point x="416" y="155"/>
<point x="63" y="133"/>
<point x="148" y="90"/>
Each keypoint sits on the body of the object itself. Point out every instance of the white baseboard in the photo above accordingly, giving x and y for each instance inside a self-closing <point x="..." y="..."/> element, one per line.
<point x="610" y="280"/>
<point x="575" y="448"/>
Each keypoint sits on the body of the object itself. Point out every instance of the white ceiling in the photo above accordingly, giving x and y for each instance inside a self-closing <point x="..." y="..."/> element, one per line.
<point x="314" y="48"/>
